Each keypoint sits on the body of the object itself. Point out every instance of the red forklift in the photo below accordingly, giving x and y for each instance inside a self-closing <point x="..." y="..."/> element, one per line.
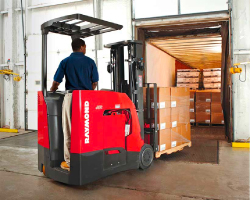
<point x="107" y="129"/>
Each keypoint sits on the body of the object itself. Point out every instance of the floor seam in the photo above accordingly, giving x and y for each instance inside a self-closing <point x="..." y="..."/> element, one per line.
<point x="16" y="135"/>
<point x="134" y="189"/>
<point x="3" y="170"/>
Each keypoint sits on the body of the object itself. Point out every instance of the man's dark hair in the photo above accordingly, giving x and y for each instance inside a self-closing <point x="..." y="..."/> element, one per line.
<point x="77" y="43"/>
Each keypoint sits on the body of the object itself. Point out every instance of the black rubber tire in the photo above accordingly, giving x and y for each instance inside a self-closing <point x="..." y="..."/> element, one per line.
<point x="146" y="156"/>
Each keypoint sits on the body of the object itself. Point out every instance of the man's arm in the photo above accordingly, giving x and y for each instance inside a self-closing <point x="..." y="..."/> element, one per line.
<point x="54" y="86"/>
<point x="94" y="85"/>
<point x="95" y="76"/>
<point x="58" y="76"/>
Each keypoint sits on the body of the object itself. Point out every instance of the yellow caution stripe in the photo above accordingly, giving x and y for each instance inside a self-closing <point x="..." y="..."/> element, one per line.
<point x="240" y="144"/>
<point x="8" y="130"/>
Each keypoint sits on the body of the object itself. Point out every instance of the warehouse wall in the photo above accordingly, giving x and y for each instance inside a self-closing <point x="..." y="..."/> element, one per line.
<point x="160" y="67"/>
<point x="11" y="47"/>
<point x="149" y="8"/>
<point x="36" y="12"/>
<point x="241" y="53"/>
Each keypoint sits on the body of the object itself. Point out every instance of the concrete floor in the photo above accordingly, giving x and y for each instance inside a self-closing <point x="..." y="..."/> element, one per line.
<point x="229" y="179"/>
<point x="6" y="135"/>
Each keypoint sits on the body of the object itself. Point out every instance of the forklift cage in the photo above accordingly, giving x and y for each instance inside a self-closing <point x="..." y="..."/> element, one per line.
<point x="76" y="26"/>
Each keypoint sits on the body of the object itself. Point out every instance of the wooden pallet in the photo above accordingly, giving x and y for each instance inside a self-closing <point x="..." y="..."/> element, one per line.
<point x="217" y="125"/>
<point x="173" y="150"/>
<point x="202" y="124"/>
<point x="192" y="123"/>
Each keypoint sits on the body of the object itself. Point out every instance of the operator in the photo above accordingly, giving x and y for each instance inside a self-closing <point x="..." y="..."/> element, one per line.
<point x="81" y="73"/>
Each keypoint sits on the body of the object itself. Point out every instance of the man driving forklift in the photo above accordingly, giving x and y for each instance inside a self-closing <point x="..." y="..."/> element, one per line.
<point x="81" y="73"/>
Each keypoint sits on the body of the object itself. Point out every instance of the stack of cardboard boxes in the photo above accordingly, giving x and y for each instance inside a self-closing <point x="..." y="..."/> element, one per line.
<point x="188" y="78"/>
<point x="208" y="109"/>
<point x="203" y="107"/>
<point x="212" y="78"/>
<point x="217" y="116"/>
<point x="173" y="116"/>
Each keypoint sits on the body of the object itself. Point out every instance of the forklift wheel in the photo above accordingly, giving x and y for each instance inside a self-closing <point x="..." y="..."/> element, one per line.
<point x="43" y="170"/>
<point x="146" y="156"/>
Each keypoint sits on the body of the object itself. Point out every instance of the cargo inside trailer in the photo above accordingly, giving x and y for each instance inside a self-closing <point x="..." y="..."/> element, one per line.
<point x="192" y="62"/>
<point x="195" y="57"/>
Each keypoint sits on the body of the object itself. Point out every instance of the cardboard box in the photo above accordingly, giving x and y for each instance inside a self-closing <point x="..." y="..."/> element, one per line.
<point x="211" y="73"/>
<point x="187" y="80"/>
<point x="188" y="70"/>
<point x="216" y="97"/>
<point x="192" y="117"/>
<point x="203" y="107"/>
<point x="188" y="85"/>
<point x="216" y="107"/>
<point x="192" y="95"/>
<point x="176" y="137"/>
<point x="212" y="79"/>
<point x="211" y="69"/>
<point x="212" y="85"/>
<point x="180" y="96"/>
<point x="163" y="97"/>
<point x="164" y="118"/>
<point x="186" y="132"/>
<point x="217" y="118"/>
<point x="203" y="117"/>
<point x="184" y="115"/>
<point x="188" y="74"/>
<point x="192" y="106"/>
<point x="174" y="118"/>
<point x="203" y="96"/>
<point x="164" y="139"/>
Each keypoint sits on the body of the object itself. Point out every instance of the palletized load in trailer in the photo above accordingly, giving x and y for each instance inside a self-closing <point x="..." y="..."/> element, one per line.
<point x="212" y="73"/>
<point x="208" y="109"/>
<point x="188" y="74"/>
<point x="212" y="85"/>
<point x="217" y="116"/>
<point x="188" y="85"/>
<point x="187" y="80"/>
<point x="173" y="124"/>
<point x="212" y="79"/>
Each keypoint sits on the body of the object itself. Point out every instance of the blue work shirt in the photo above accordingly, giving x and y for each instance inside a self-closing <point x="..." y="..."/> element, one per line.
<point x="80" y="72"/>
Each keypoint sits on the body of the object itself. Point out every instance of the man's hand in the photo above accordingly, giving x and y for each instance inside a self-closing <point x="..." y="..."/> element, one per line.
<point x="54" y="86"/>
<point x="94" y="85"/>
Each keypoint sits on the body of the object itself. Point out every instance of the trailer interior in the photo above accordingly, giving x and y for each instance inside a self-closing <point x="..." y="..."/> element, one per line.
<point x="169" y="47"/>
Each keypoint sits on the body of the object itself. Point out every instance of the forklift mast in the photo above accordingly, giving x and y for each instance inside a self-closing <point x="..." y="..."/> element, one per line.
<point x="133" y="87"/>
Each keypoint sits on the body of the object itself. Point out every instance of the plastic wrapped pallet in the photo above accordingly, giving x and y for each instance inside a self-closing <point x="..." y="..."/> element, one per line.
<point x="172" y="119"/>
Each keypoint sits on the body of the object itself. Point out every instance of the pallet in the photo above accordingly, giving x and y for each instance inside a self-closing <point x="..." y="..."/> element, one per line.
<point x="217" y="125"/>
<point x="192" y="123"/>
<point x="173" y="150"/>
<point x="202" y="124"/>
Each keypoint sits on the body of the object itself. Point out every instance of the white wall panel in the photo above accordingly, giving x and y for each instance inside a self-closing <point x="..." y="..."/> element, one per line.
<point x="59" y="47"/>
<point x="241" y="90"/>
<point x="197" y="6"/>
<point x="117" y="12"/>
<point x="149" y="8"/>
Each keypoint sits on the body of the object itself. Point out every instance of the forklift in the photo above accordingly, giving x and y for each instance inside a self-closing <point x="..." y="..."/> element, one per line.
<point x="107" y="128"/>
